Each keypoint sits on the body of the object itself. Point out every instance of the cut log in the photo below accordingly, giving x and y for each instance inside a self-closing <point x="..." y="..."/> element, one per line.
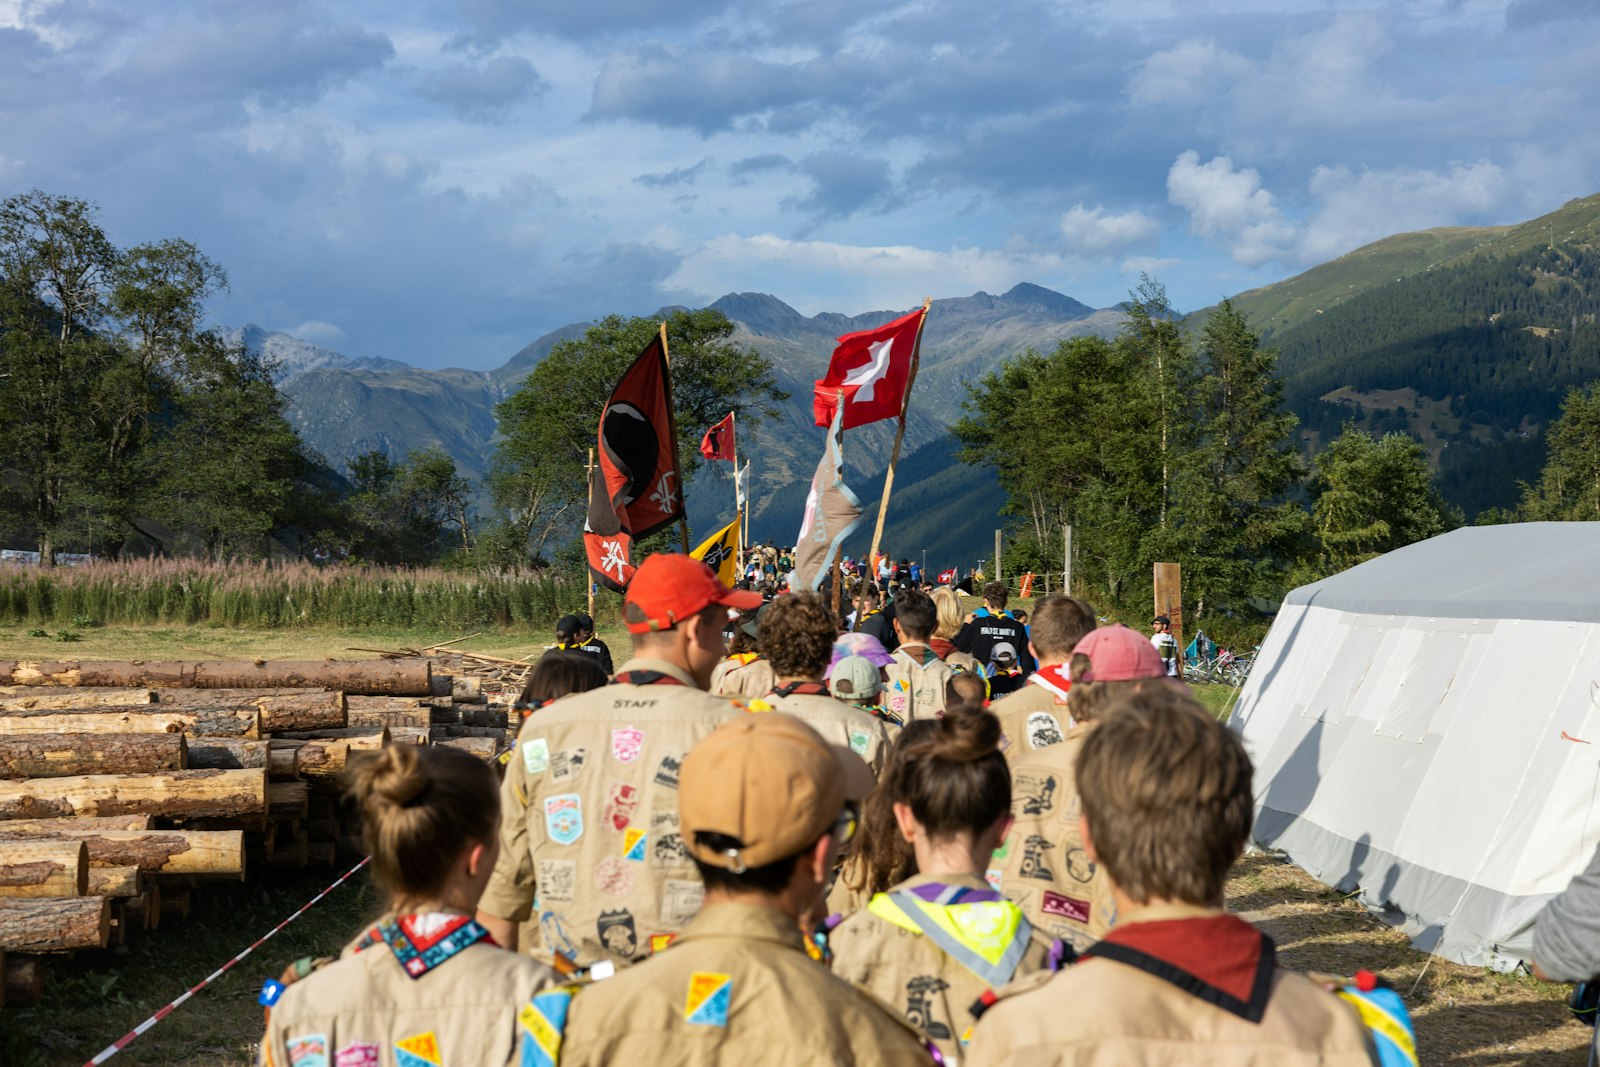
<point x="326" y="759"/>
<point x="54" y="924"/>
<point x="388" y="711"/>
<point x="87" y="824"/>
<point x="63" y="755"/>
<point x="112" y="881"/>
<point x="329" y="735"/>
<point x="33" y="698"/>
<point x="208" y="852"/>
<point x="154" y="720"/>
<point x="174" y="794"/>
<point x="43" y="868"/>
<point x="408" y="735"/>
<point x="466" y="689"/>
<point x="482" y="747"/>
<point x="286" y="800"/>
<point x="407" y="677"/>
<point x="227" y="753"/>
<point x="24" y="981"/>
<point x="281" y="709"/>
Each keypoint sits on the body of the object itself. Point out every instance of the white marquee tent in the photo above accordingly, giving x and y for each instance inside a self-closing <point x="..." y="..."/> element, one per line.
<point x="1426" y="727"/>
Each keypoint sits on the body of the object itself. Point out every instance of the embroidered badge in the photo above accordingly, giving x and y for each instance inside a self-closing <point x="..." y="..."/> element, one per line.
<point x="557" y="881"/>
<point x="543" y="1019"/>
<point x="618" y="933"/>
<point x="920" y="992"/>
<point x="1034" y="794"/>
<point x="565" y="764"/>
<point x="553" y="935"/>
<point x="626" y="744"/>
<point x="619" y="808"/>
<point x="357" y="1054"/>
<point x="1004" y="851"/>
<point x="633" y="844"/>
<point x="659" y="942"/>
<point x="667" y="770"/>
<point x="563" y="818"/>
<point x="992" y="876"/>
<point x="666" y="849"/>
<point x="613" y="877"/>
<point x="859" y="742"/>
<point x="1033" y="859"/>
<point x="709" y="997"/>
<point x="1043" y="730"/>
<point x="1079" y="865"/>
<point x="419" y="1050"/>
<point x="1065" y="907"/>
<point x="680" y="901"/>
<point x="308" y="1050"/>
<point x="536" y="755"/>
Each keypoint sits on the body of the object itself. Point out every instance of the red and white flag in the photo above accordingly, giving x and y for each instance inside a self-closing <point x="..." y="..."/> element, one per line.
<point x="718" y="441"/>
<point x="871" y="369"/>
<point x="947" y="577"/>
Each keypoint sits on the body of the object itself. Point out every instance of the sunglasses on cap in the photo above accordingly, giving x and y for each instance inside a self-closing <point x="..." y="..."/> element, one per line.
<point x="844" y="830"/>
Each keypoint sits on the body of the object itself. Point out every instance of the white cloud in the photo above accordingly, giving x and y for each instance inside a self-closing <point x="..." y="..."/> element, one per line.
<point x="1194" y="70"/>
<point x="851" y="278"/>
<point x="1229" y="205"/>
<point x="1091" y="231"/>
<point x="317" y="332"/>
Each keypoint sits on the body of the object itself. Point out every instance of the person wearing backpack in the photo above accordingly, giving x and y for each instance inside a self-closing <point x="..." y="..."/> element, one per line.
<point x="915" y="681"/>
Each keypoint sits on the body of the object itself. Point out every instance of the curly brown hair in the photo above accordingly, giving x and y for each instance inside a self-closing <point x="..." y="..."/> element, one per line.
<point x="797" y="634"/>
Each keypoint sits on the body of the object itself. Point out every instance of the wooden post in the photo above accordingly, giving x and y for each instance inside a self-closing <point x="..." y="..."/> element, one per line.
<point x="1169" y="602"/>
<point x="838" y="589"/>
<point x="997" y="574"/>
<point x="1066" y="559"/>
<point x="899" y="433"/>
<point x="588" y="579"/>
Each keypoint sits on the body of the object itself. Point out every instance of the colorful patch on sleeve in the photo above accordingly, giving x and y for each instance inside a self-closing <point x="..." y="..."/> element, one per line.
<point x="308" y="1050"/>
<point x="860" y="742"/>
<point x="994" y="876"/>
<point x="563" y="818"/>
<point x="659" y="942"/>
<point x="357" y="1054"/>
<point x="419" y="1050"/>
<point x="1066" y="907"/>
<point x="626" y="744"/>
<point x="633" y="844"/>
<point x="536" y="755"/>
<point x="543" y="1019"/>
<point x="709" y="996"/>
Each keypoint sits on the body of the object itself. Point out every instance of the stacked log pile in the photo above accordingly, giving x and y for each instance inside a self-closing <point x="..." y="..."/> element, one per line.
<point x="125" y="787"/>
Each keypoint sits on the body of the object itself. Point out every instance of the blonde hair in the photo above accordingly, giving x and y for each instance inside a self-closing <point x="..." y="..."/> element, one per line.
<point x="948" y="606"/>
<point x="419" y="807"/>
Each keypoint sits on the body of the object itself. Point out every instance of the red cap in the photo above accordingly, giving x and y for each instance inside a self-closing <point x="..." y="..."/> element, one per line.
<point x="1118" y="654"/>
<point x="669" y="588"/>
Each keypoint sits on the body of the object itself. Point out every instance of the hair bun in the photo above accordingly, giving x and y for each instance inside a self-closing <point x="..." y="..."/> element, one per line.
<point x="966" y="732"/>
<point x="393" y="776"/>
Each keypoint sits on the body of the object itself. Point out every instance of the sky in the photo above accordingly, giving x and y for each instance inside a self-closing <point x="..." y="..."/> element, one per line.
<point x="444" y="182"/>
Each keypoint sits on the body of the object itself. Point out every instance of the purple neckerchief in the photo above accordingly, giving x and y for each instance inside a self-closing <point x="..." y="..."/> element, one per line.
<point x="934" y="893"/>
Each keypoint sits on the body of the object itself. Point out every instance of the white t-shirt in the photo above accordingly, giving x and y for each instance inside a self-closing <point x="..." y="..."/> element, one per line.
<point x="1167" y="646"/>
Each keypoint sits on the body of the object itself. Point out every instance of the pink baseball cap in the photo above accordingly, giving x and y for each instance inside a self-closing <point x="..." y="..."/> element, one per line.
<point x="1118" y="654"/>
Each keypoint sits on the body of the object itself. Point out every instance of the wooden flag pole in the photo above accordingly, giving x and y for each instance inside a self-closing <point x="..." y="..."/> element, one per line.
<point x="738" y="508"/>
<point x="900" y="433"/>
<point x="589" y="479"/>
<point x="672" y="419"/>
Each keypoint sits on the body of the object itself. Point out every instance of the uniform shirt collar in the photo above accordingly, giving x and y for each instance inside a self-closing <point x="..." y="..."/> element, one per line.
<point x="1209" y="954"/>
<point x="744" y="922"/>
<point x="660" y="666"/>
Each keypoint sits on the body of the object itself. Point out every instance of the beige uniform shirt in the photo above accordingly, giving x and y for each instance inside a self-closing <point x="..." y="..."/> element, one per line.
<point x="1100" y="1013"/>
<point x="1030" y="718"/>
<point x="906" y="970"/>
<point x="836" y="721"/>
<point x="364" y="1011"/>
<point x="745" y="680"/>
<point x="589" y="818"/>
<point x="1042" y="864"/>
<point x="736" y="988"/>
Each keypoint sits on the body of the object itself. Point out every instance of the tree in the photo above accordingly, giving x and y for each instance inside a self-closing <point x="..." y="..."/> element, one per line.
<point x="399" y="511"/>
<point x="1373" y="495"/>
<point x="1569" y="485"/>
<point x="537" y="479"/>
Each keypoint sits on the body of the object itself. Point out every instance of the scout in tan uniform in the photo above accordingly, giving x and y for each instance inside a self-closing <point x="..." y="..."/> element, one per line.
<point x="743" y="673"/>
<point x="1044" y="864"/>
<point x="937" y="942"/>
<point x="1035" y="716"/>
<point x="877" y="857"/>
<point x="916" y="679"/>
<point x="1167" y="809"/>
<point x="426" y="986"/>
<point x="797" y="633"/>
<point x="765" y="802"/>
<point x="590" y="844"/>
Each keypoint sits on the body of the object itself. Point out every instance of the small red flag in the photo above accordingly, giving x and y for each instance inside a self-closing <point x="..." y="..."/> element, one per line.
<point x="871" y="368"/>
<point x="638" y="491"/>
<point x="718" y="441"/>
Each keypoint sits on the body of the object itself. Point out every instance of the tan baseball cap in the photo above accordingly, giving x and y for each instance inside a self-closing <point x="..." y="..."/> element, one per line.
<point x="768" y="781"/>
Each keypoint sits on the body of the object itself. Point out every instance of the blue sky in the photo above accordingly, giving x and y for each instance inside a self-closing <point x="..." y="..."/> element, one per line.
<point x="443" y="182"/>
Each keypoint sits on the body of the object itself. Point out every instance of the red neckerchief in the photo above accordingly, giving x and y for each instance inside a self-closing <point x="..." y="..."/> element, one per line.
<point x="1221" y="959"/>
<point x="1054" y="679"/>
<point x="644" y="678"/>
<point x="803" y="689"/>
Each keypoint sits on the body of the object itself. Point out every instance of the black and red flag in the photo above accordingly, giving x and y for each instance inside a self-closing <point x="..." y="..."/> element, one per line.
<point x="718" y="442"/>
<point x="638" y="491"/>
<point x="870" y="368"/>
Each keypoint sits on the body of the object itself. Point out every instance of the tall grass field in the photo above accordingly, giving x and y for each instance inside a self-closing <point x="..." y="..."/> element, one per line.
<point x="277" y="595"/>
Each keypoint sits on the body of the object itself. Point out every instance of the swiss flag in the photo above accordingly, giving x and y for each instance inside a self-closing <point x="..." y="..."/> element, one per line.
<point x="637" y="491"/>
<point x="718" y="441"/>
<point x="947" y="577"/>
<point x="871" y="369"/>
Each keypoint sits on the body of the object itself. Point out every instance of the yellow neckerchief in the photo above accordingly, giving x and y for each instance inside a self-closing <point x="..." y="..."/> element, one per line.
<point x="988" y="937"/>
<point x="744" y="659"/>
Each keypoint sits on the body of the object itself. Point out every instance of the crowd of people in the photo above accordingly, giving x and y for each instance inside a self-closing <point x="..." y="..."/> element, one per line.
<point x="914" y="835"/>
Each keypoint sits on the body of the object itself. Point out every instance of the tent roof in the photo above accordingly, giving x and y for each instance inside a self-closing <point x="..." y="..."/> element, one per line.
<point x="1527" y="570"/>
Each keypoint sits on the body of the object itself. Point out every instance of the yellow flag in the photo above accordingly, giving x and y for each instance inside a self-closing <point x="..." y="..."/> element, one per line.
<point x="721" y="553"/>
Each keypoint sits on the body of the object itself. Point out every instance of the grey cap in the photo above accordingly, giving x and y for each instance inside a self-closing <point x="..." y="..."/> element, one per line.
<point x="855" y="679"/>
